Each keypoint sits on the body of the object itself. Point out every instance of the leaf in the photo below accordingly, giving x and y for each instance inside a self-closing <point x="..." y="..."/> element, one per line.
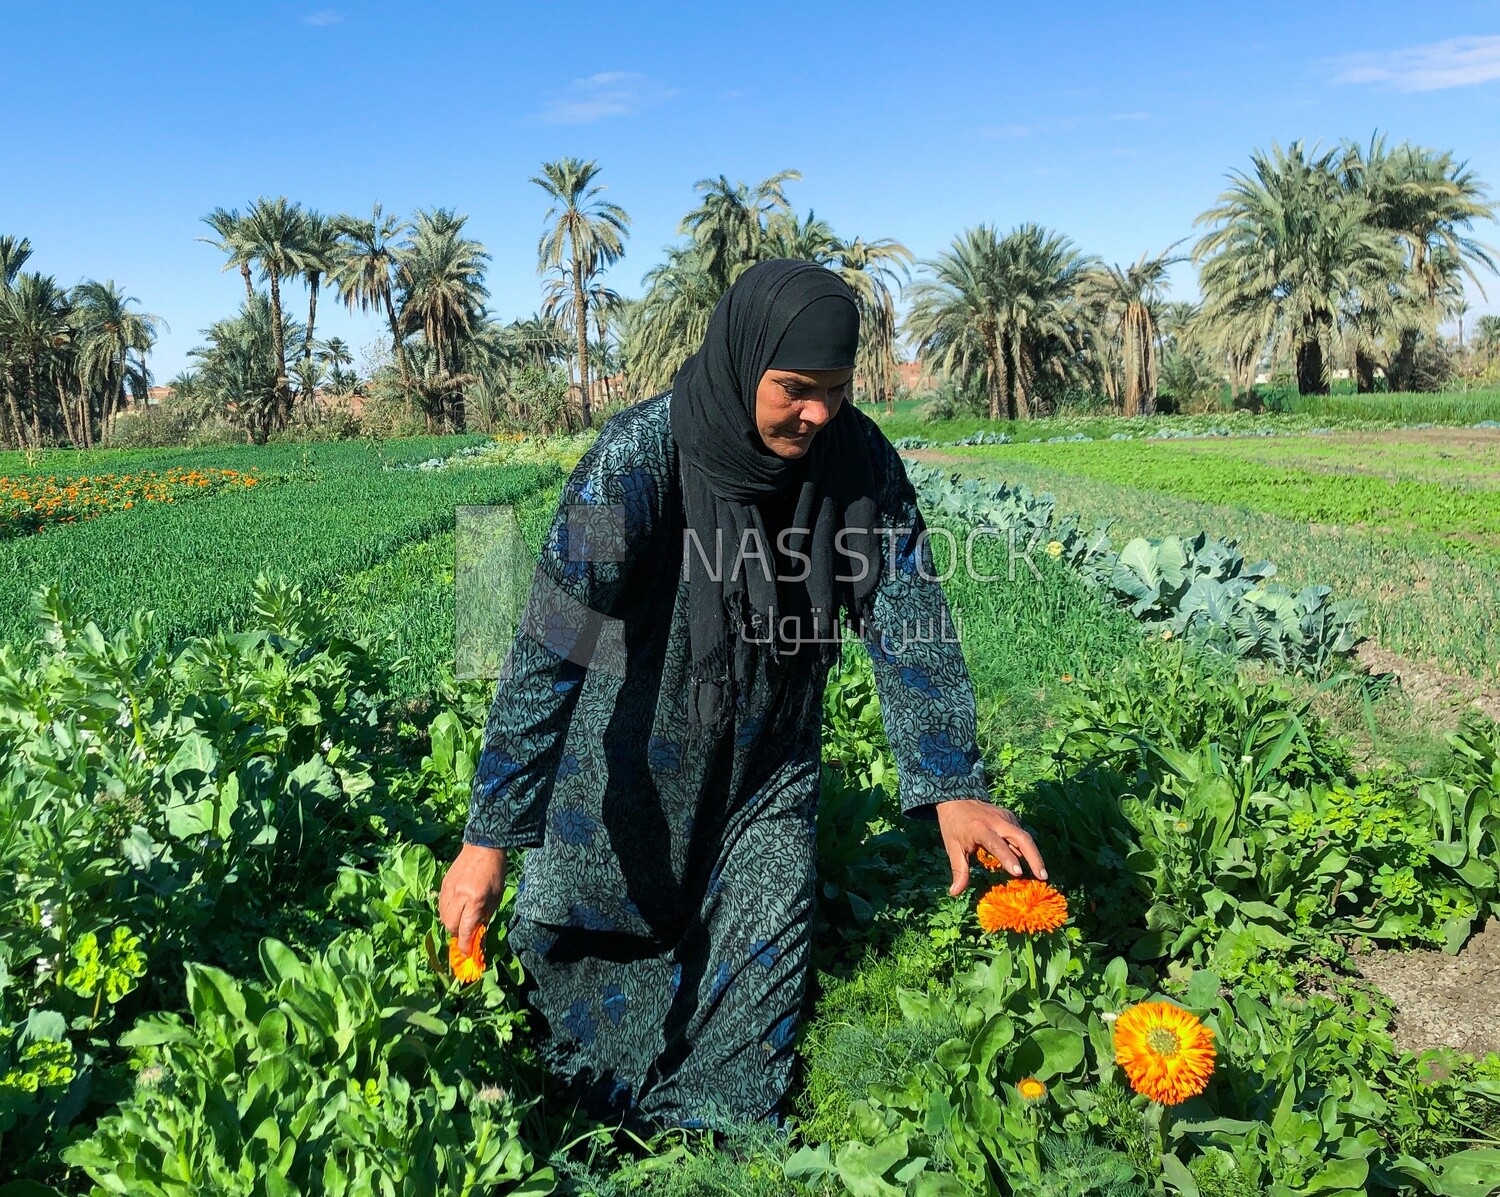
<point x="1048" y="1053"/>
<point x="862" y="1168"/>
<point x="1346" y="1174"/>
<point x="212" y="991"/>
<point x="44" y="1025"/>
<point x="139" y="848"/>
<point x="809" y="1165"/>
<point x="538" y="1184"/>
<point x="1174" y="1172"/>
<point x="278" y="961"/>
<point x="1471" y="1173"/>
<point x="195" y="755"/>
<point x="939" y="1184"/>
<point x="149" y="1033"/>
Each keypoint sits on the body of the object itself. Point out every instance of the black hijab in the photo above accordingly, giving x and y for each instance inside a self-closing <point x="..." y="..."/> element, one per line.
<point x="781" y="314"/>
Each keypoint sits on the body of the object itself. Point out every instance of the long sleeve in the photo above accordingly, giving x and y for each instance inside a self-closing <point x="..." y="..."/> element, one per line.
<point x="926" y="696"/>
<point x="571" y="633"/>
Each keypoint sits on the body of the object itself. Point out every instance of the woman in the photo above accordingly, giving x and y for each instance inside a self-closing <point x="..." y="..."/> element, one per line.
<point x="654" y="739"/>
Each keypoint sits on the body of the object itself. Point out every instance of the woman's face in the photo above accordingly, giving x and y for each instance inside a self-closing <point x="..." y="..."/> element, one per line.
<point x="791" y="406"/>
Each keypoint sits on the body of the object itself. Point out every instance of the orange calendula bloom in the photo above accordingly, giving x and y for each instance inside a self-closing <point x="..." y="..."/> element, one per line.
<point x="1167" y="1053"/>
<point x="1023" y="906"/>
<point x="988" y="859"/>
<point x="467" y="966"/>
<point x="1031" y="1089"/>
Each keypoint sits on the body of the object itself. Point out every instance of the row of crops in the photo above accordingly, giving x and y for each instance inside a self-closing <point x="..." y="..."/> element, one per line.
<point x="222" y="970"/>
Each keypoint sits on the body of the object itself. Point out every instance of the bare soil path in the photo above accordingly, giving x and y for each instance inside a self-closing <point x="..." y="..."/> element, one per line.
<point x="1442" y="1000"/>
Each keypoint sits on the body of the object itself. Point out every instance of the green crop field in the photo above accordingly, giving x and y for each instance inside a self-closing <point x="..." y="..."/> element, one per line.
<point x="1448" y="496"/>
<point x="320" y="514"/>
<point x="220" y="940"/>
<point x="1426" y="575"/>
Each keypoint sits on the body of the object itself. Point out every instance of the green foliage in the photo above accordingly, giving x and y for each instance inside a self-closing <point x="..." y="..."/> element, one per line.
<point x="1218" y="817"/>
<point x="157" y="807"/>
<point x="1423" y="601"/>
<point x="346" y="1070"/>
<point x="1199" y="588"/>
<point x="1462" y="518"/>
<point x="346" y="512"/>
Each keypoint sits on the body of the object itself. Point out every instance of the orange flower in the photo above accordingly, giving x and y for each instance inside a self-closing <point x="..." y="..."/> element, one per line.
<point x="1024" y="906"/>
<point x="467" y="966"/>
<point x="1031" y="1089"/>
<point x="988" y="859"/>
<point x="1165" y="1051"/>
<point x="1067" y="677"/>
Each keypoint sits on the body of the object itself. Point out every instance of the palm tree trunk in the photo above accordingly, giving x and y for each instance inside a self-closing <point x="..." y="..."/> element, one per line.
<point x="390" y="312"/>
<point x="86" y="415"/>
<point x="998" y="383"/>
<point x="114" y="393"/>
<point x="1020" y="380"/>
<point x="581" y="321"/>
<point x="1364" y="372"/>
<point x="313" y="281"/>
<point x="278" y="348"/>
<point x="249" y="286"/>
<point x="1311" y="379"/>
<point x="67" y="419"/>
<point x="145" y="390"/>
<point x="17" y="427"/>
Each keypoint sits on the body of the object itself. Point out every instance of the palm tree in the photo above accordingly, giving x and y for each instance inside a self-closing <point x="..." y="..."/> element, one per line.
<point x="35" y="337"/>
<point x="872" y="269"/>
<point x="14" y="253"/>
<point x="237" y="369"/>
<point x="107" y="331"/>
<point x="585" y="232"/>
<point x="1289" y="250"/>
<point x="1487" y="336"/>
<point x="229" y="228"/>
<point x="672" y="318"/>
<point x="319" y="253"/>
<point x="1131" y="297"/>
<point x="1427" y="202"/>
<point x="1003" y="309"/>
<point x="811" y="240"/>
<point x="273" y="233"/>
<point x="440" y="273"/>
<point x="731" y="224"/>
<point x="364" y="274"/>
<point x="559" y="307"/>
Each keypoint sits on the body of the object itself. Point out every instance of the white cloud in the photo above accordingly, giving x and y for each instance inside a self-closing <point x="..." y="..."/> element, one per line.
<point x="325" y="16"/>
<point x="609" y="93"/>
<point x="1457" y="62"/>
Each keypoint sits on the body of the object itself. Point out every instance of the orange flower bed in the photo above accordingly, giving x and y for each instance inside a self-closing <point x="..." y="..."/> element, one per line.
<point x="31" y="502"/>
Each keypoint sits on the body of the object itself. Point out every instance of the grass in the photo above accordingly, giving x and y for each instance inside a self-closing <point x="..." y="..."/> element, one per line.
<point x="267" y="458"/>
<point x="1456" y="512"/>
<point x="405" y="601"/>
<point x="1443" y="407"/>
<point x="1424" y="602"/>
<point x="336" y="514"/>
<point x="1022" y="635"/>
<point x="1342" y="411"/>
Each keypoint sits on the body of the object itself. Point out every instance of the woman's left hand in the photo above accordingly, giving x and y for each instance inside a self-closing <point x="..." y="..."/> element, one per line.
<point x="969" y="824"/>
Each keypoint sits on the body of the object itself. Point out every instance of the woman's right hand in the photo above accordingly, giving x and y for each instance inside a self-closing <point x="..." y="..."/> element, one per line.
<point x="471" y="891"/>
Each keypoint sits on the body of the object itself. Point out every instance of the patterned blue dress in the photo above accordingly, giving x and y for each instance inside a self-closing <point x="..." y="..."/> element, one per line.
<point x="667" y="895"/>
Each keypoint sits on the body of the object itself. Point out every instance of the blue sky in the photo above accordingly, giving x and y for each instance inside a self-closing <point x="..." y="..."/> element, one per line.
<point x="1115" y="124"/>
